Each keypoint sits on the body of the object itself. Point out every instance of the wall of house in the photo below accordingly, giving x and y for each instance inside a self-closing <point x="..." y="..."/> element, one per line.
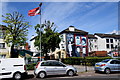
<point x="5" y="51"/>
<point x="62" y="44"/>
<point x="32" y="46"/>
<point x="92" y="45"/>
<point x="101" y="43"/>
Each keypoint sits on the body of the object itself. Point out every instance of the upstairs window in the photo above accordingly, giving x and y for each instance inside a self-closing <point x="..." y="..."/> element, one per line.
<point x="111" y="40"/>
<point x="107" y="40"/>
<point x="2" y="45"/>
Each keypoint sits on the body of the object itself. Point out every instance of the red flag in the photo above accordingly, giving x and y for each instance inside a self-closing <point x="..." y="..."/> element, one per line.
<point x="34" y="11"/>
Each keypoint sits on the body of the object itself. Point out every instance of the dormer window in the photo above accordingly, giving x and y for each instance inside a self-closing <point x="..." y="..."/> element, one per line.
<point x="71" y="28"/>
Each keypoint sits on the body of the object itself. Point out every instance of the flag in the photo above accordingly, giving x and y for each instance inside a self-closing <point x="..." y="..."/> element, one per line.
<point x="34" y="11"/>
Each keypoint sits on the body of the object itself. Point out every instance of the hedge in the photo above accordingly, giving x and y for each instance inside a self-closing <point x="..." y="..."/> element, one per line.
<point x="90" y="61"/>
<point x="30" y="66"/>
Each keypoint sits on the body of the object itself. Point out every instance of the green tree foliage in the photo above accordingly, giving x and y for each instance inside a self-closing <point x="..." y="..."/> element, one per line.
<point x="16" y="30"/>
<point x="49" y="37"/>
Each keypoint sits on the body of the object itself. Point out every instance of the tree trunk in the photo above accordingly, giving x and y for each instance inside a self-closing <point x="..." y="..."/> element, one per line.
<point x="13" y="53"/>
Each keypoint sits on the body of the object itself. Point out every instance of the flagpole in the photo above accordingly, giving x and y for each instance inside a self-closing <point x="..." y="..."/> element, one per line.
<point x="40" y="30"/>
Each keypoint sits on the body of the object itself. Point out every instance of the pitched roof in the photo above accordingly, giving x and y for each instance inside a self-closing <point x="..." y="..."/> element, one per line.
<point x="108" y="35"/>
<point x="91" y="36"/>
<point x="75" y="31"/>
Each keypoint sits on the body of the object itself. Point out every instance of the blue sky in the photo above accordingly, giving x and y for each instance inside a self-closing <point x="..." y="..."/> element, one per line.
<point x="93" y="17"/>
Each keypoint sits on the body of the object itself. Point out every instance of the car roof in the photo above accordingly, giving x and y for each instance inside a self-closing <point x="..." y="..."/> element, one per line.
<point x="49" y="60"/>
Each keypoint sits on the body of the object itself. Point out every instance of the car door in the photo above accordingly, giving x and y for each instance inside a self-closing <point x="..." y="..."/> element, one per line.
<point x="6" y="67"/>
<point x="59" y="68"/>
<point x="112" y="65"/>
<point x="49" y="68"/>
<point x="117" y="65"/>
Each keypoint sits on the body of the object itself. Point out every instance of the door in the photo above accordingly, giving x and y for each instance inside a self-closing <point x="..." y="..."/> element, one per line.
<point x="49" y="68"/>
<point x="5" y="67"/>
<point x="114" y="65"/>
<point x="59" y="68"/>
<point x="117" y="65"/>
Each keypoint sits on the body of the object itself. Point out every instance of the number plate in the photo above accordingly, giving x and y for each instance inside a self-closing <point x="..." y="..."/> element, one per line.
<point x="97" y="65"/>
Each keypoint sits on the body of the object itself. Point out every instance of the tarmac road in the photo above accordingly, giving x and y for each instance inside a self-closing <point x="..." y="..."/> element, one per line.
<point x="82" y="75"/>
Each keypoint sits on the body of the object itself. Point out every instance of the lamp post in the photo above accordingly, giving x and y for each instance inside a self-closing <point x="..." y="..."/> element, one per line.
<point x="85" y="63"/>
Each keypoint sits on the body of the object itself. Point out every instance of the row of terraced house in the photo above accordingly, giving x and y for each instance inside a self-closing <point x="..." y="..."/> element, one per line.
<point x="74" y="43"/>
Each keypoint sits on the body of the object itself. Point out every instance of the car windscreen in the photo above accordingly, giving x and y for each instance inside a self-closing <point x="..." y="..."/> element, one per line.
<point x="105" y="61"/>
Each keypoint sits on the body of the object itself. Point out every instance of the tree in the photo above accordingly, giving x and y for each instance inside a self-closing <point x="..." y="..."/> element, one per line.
<point x="16" y="30"/>
<point x="49" y="37"/>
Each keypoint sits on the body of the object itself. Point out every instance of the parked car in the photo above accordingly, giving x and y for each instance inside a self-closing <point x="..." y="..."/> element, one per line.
<point x="12" y="68"/>
<point x="108" y="66"/>
<point x="53" y="67"/>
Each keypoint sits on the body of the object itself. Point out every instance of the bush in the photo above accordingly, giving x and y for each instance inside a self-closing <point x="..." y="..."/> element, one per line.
<point x="90" y="61"/>
<point x="31" y="66"/>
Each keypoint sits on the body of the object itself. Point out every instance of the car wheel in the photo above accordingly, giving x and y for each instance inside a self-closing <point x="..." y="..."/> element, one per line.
<point x="17" y="76"/>
<point x="70" y="73"/>
<point x="96" y="71"/>
<point x="107" y="71"/>
<point x="42" y="75"/>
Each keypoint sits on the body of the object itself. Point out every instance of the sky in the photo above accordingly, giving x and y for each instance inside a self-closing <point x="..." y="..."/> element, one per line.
<point x="92" y="17"/>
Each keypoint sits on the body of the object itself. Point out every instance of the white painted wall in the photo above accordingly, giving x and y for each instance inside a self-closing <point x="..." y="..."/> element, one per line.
<point x="32" y="46"/>
<point x="6" y="50"/>
<point x="63" y="41"/>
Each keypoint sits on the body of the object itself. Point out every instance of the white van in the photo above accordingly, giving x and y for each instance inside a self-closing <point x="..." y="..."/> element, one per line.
<point x="12" y="68"/>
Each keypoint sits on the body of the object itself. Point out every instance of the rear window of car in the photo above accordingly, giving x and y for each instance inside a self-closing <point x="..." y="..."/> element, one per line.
<point x="105" y="61"/>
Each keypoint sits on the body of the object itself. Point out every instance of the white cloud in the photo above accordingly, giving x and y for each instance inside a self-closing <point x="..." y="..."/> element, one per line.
<point x="58" y="11"/>
<point x="114" y="31"/>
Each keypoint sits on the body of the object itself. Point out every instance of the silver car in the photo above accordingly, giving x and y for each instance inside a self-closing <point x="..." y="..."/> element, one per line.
<point x="108" y="66"/>
<point x="53" y="67"/>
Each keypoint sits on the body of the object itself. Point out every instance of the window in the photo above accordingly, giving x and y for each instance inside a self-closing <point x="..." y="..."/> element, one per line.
<point x="107" y="45"/>
<point x="1" y="35"/>
<point x="62" y="45"/>
<point x="115" y="62"/>
<point x="95" y="40"/>
<point x="107" y="40"/>
<point x="112" y="46"/>
<point x="111" y="40"/>
<point x="95" y="46"/>
<point x="55" y="63"/>
<point x="2" y="56"/>
<point x="2" y="45"/>
<point x="45" y="64"/>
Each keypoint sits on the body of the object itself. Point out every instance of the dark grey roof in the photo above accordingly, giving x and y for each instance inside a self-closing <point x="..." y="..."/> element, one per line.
<point x="91" y="36"/>
<point x="108" y="35"/>
<point x="76" y="31"/>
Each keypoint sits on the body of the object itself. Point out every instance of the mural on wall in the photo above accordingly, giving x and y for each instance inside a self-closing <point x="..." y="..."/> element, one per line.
<point x="70" y="41"/>
<point x="77" y="40"/>
<point x="83" y="41"/>
<point x="75" y="45"/>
